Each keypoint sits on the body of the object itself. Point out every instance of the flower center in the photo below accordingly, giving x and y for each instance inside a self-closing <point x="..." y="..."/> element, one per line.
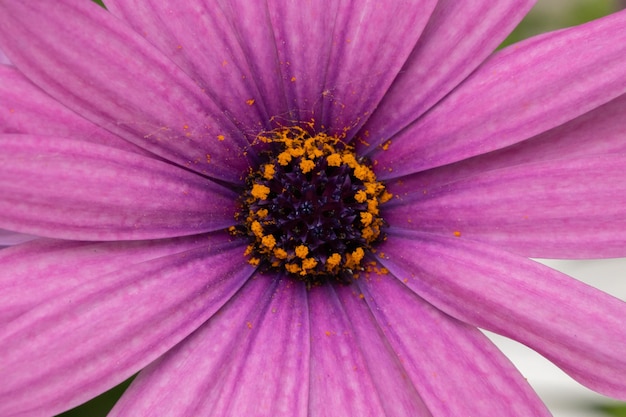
<point x="312" y="208"/>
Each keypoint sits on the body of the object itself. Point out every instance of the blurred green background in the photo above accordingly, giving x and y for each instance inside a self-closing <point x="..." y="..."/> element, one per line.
<point x="547" y="15"/>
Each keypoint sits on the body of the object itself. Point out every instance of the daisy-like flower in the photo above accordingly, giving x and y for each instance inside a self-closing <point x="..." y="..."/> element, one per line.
<point x="304" y="208"/>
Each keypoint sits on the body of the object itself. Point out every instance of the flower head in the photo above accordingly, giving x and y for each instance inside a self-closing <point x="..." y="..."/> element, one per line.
<point x="304" y="208"/>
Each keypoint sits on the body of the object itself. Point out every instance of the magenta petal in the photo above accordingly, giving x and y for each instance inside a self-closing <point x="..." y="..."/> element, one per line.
<point x="336" y="71"/>
<point x="250" y="359"/>
<point x="564" y="208"/>
<point x="291" y="49"/>
<point x="25" y="108"/>
<point x="93" y="192"/>
<point x="458" y="37"/>
<point x="4" y="60"/>
<point x="353" y="375"/>
<point x="115" y="78"/>
<point x="455" y="369"/>
<point x="35" y="264"/>
<point x="579" y="328"/>
<point x="600" y="131"/>
<point x="83" y="341"/>
<point x="204" y="39"/>
<point x="9" y="238"/>
<point x="504" y="101"/>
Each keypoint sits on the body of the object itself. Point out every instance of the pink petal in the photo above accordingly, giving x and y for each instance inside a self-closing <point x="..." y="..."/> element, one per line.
<point x="455" y="369"/>
<point x="600" y="131"/>
<point x="9" y="238"/>
<point x="352" y="374"/>
<point x="4" y="60"/>
<point x="205" y="40"/>
<point x="577" y="327"/>
<point x="505" y="101"/>
<point x="250" y="359"/>
<point x="564" y="208"/>
<point x="25" y="108"/>
<point x="93" y="192"/>
<point x="91" y="337"/>
<point x="306" y="61"/>
<point x="115" y="78"/>
<point x="34" y="264"/>
<point x="458" y="37"/>
<point x="343" y="56"/>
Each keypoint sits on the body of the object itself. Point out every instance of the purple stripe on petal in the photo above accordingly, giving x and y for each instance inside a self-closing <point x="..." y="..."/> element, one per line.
<point x="600" y="131"/>
<point x="95" y="335"/>
<point x="55" y="267"/>
<point x="250" y="359"/>
<point x="564" y="208"/>
<point x="341" y="57"/>
<point x="454" y="367"/>
<point x="9" y="238"/>
<point x="287" y="61"/>
<point x="340" y="382"/>
<point x="115" y="78"/>
<point x="78" y="190"/>
<point x="4" y="60"/>
<point x="206" y="41"/>
<point x="505" y="101"/>
<point x="398" y="394"/>
<point x="458" y="37"/>
<point x="25" y="108"/>
<point x="577" y="327"/>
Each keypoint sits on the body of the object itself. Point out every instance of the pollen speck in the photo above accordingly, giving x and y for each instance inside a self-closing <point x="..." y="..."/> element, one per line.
<point x="308" y="263"/>
<point x="268" y="171"/>
<point x="268" y="241"/>
<point x="457" y="233"/>
<point x="360" y="196"/>
<point x="250" y="102"/>
<point x="302" y="251"/>
<point x="220" y="137"/>
<point x="306" y="165"/>
<point x="334" y="160"/>
<point x="260" y="191"/>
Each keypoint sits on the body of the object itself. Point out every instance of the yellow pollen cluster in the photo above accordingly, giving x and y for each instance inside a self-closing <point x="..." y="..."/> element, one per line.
<point x="299" y="151"/>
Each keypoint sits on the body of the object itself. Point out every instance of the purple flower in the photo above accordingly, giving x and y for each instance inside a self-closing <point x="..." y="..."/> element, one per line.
<point x="143" y="146"/>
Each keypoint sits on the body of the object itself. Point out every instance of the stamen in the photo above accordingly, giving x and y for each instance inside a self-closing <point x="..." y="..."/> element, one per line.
<point x="312" y="208"/>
